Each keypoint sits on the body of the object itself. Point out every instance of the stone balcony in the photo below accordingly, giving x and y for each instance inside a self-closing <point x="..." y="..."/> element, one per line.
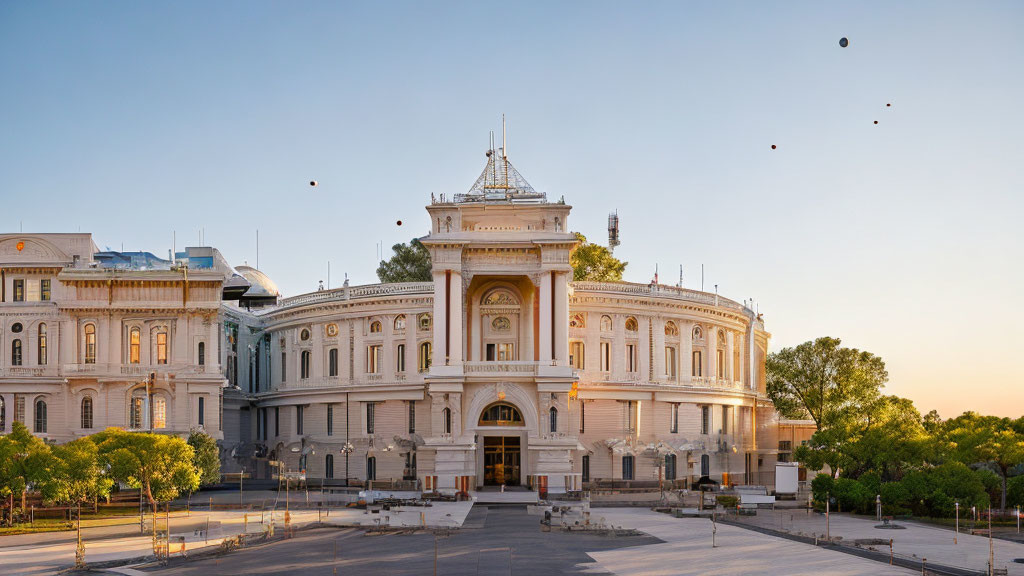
<point x="138" y="371"/>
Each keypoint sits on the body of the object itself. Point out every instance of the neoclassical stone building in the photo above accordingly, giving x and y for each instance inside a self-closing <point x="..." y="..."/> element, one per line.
<point x="502" y="369"/>
<point x="90" y="342"/>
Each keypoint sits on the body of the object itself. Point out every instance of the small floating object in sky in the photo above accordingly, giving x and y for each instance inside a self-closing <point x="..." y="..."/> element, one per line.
<point x="314" y="183"/>
<point x="876" y="121"/>
<point x="773" y="146"/>
<point x="888" y="104"/>
<point x="843" y="42"/>
<point x="399" y="222"/>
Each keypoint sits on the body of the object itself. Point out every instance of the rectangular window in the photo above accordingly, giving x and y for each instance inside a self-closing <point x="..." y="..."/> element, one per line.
<point x="606" y="356"/>
<point x="161" y="347"/>
<point x="373" y="359"/>
<point x="330" y="419"/>
<point x="202" y="354"/>
<point x="721" y="363"/>
<point x="705" y="419"/>
<point x="506" y="352"/>
<point x="400" y="359"/>
<point x="261" y="424"/>
<point x="583" y="416"/>
<point x="491" y="352"/>
<point x="670" y="361"/>
<point x="630" y="357"/>
<point x="412" y="416"/>
<point x="697" y="369"/>
<point x="627" y="467"/>
<point x="19" y="408"/>
<point x="586" y="468"/>
<point x="160" y="412"/>
<point x="632" y="409"/>
<point x="576" y="359"/>
<point x="19" y="290"/>
<point x="44" y="290"/>
<point x="424" y="356"/>
<point x="136" y="413"/>
<point x="725" y="419"/>
<point x="277" y="421"/>
<point x="202" y="411"/>
<point x="90" y="344"/>
<point x="673" y="418"/>
<point x="284" y="366"/>
<point x="369" y="417"/>
<point x="298" y="420"/>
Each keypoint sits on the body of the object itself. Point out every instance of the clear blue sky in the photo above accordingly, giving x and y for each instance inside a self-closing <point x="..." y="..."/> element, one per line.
<point x="132" y="120"/>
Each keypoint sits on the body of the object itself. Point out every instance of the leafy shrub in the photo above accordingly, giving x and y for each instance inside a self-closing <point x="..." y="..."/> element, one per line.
<point x="821" y="486"/>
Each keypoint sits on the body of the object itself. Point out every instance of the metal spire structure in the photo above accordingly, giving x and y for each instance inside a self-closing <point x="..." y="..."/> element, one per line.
<point x="500" y="180"/>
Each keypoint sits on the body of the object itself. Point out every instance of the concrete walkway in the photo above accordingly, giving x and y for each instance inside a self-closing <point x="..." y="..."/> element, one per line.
<point x="687" y="551"/>
<point x="916" y="540"/>
<point x="49" y="557"/>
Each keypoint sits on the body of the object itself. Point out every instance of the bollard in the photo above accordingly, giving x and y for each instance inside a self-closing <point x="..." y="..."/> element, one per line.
<point x="245" y="523"/>
<point x="890" y="552"/>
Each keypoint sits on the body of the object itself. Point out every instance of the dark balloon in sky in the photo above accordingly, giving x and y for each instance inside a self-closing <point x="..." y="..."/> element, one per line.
<point x="773" y="146"/>
<point x="876" y="121"/>
<point x="887" y="105"/>
<point x="844" y="42"/>
<point x="313" y="183"/>
<point x="399" y="222"/>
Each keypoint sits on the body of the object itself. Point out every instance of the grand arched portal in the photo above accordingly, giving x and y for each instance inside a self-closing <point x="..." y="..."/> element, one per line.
<point x="502" y="453"/>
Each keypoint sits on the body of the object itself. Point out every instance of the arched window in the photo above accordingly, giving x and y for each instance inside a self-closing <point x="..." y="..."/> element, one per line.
<point x="627" y="467"/>
<point x="16" y="352"/>
<point x="307" y="360"/>
<point x="501" y="414"/>
<point x="606" y="323"/>
<point x="134" y="346"/>
<point x="160" y="412"/>
<point x="671" y="329"/>
<point x="670" y="466"/>
<point x="698" y="334"/>
<point x="329" y="466"/>
<point x="136" y="410"/>
<point x="631" y="325"/>
<point x="705" y="465"/>
<point x="202" y="354"/>
<point x="41" y="345"/>
<point x="375" y="327"/>
<point x="578" y="321"/>
<point x="40" y="417"/>
<point x="90" y="343"/>
<point x="446" y="420"/>
<point x="424" y="321"/>
<point x="424" y="359"/>
<point x="553" y="419"/>
<point x="86" y="419"/>
<point x="371" y="467"/>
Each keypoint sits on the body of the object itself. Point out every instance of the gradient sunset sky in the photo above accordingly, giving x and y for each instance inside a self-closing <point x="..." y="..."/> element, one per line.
<point x="134" y="120"/>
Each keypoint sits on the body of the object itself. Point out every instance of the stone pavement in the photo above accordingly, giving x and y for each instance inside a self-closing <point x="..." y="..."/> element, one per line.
<point x="687" y="551"/>
<point x="916" y="540"/>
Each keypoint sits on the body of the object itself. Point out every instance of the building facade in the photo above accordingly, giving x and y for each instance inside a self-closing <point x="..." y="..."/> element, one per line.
<point x="502" y="369"/>
<point x="87" y="346"/>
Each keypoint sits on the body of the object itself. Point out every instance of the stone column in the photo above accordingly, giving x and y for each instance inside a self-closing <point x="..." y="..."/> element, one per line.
<point x="456" y="320"/>
<point x="411" y="346"/>
<point x="544" y="335"/>
<point x="711" y="337"/>
<point x="212" y="359"/>
<point x="475" y="335"/>
<point x="561" y="319"/>
<point x="660" y="369"/>
<point x="729" y="360"/>
<point x="440" y="297"/>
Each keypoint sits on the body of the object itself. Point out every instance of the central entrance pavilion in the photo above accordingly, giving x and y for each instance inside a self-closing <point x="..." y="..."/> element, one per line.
<point x="503" y="450"/>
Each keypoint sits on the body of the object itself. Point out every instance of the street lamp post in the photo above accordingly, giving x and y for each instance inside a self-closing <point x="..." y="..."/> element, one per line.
<point x="956" y="506"/>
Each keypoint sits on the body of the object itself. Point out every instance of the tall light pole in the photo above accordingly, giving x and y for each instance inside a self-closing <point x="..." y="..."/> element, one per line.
<point x="956" y="506"/>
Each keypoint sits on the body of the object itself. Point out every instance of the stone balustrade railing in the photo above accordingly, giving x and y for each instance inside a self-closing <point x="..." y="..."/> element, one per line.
<point x="659" y="291"/>
<point x="353" y="292"/>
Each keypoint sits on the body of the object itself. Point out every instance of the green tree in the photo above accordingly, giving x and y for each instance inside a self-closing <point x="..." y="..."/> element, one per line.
<point x="75" y="473"/>
<point x="24" y="461"/>
<point x="824" y="381"/>
<point x="594" y="262"/>
<point x="410" y="263"/>
<point x="207" y="456"/>
<point x="161" y="466"/>
<point x="987" y="440"/>
<point x="932" y="422"/>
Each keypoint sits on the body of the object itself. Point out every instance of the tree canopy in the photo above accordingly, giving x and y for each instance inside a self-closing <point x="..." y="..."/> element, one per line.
<point x="75" y="473"/>
<point x="162" y="466"/>
<point x="24" y="461"/>
<point x="986" y="440"/>
<point x="594" y="262"/>
<point x="824" y="381"/>
<point x="410" y="263"/>
<point x="206" y="456"/>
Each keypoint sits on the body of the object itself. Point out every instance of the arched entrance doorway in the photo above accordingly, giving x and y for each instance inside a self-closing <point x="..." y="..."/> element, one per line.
<point x="502" y="452"/>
